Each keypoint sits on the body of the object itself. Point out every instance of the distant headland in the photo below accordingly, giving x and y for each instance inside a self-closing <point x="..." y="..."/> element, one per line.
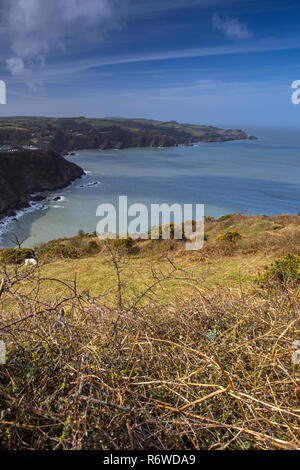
<point x="71" y="134"/>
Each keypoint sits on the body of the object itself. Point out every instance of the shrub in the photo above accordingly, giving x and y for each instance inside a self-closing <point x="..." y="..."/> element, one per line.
<point x="224" y="217"/>
<point x="102" y="378"/>
<point x="82" y="234"/>
<point x="230" y="236"/>
<point x="172" y="228"/>
<point x="285" y="269"/>
<point x="67" y="251"/>
<point x="122" y="244"/>
<point x="92" y="247"/>
<point x="76" y="241"/>
<point x="16" y="255"/>
<point x="165" y="229"/>
<point x="59" y="250"/>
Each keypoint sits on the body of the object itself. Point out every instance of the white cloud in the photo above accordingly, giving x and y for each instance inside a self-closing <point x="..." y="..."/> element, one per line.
<point x="15" y="65"/>
<point x="35" y="28"/>
<point x="231" y="27"/>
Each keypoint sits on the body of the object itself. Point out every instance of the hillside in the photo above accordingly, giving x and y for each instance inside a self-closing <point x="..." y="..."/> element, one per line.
<point x="26" y="172"/>
<point x="67" y="134"/>
<point x="144" y="345"/>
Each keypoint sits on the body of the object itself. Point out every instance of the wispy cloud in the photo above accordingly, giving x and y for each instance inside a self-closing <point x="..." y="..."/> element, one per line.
<point x="253" y="47"/>
<point x="35" y="28"/>
<point x="78" y="69"/>
<point x="231" y="27"/>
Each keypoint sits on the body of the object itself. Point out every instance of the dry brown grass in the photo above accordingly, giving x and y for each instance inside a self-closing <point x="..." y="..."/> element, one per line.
<point x="208" y="371"/>
<point x="262" y="235"/>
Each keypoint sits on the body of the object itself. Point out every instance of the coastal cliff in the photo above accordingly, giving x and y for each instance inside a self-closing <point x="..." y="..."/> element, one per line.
<point x="25" y="172"/>
<point x="69" y="134"/>
<point x="115" y="137"/>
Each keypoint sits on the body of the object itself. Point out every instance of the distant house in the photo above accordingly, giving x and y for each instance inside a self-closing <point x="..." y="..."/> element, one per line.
<point x="29" y="147"/>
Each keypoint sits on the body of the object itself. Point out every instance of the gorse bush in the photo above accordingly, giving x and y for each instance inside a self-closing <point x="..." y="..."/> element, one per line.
<point x="60" y="250"/>
<point x="224" y="217"/>
<point x="170" y="230"/>
<point x="72" y="248"/>
<point x="230" y="236"/>
<point x="122" y="244"/>
<point x="16" y="255"/>
<point x="283" y="270"/>
<point x="177" y="231"/>
<point x="92" y="246"/>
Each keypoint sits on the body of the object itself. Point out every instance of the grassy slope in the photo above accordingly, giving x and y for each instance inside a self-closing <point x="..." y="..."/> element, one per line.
<point x="264" y="239"/>
<point x="24" y="123"/>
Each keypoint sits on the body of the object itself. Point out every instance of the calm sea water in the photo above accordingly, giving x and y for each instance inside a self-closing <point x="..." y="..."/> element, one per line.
<point x="250" y="177"/>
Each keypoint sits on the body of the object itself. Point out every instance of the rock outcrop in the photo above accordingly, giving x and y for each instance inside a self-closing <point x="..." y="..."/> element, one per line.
<point x="25" y="172"/>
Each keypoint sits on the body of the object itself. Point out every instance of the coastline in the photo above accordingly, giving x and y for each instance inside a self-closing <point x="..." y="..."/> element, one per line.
<point x="71" y="134"/>
<point x="39" y="205"/>
<point x="179" y="174"/>
<point x="7" y="221"/>
<point x="32" y="205"/>
<point x="71" y="152"/>
<point x="26" y="175"/>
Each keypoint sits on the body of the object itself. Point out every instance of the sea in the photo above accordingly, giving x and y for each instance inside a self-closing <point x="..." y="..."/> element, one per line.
<point x="250" y="177"/>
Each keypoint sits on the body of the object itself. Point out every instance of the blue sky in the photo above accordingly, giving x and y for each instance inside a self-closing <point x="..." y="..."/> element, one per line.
<point x="204" y="61"/>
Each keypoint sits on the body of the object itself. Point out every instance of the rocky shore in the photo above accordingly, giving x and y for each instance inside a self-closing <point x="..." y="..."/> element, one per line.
<point x="23" y="173"/>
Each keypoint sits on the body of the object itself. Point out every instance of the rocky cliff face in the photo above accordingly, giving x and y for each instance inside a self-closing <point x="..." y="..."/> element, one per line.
<point x="25" y="172"/>
<point x="114" y="137"/>
<point x="67" y="134"/>
<point x="118" y="138"/>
